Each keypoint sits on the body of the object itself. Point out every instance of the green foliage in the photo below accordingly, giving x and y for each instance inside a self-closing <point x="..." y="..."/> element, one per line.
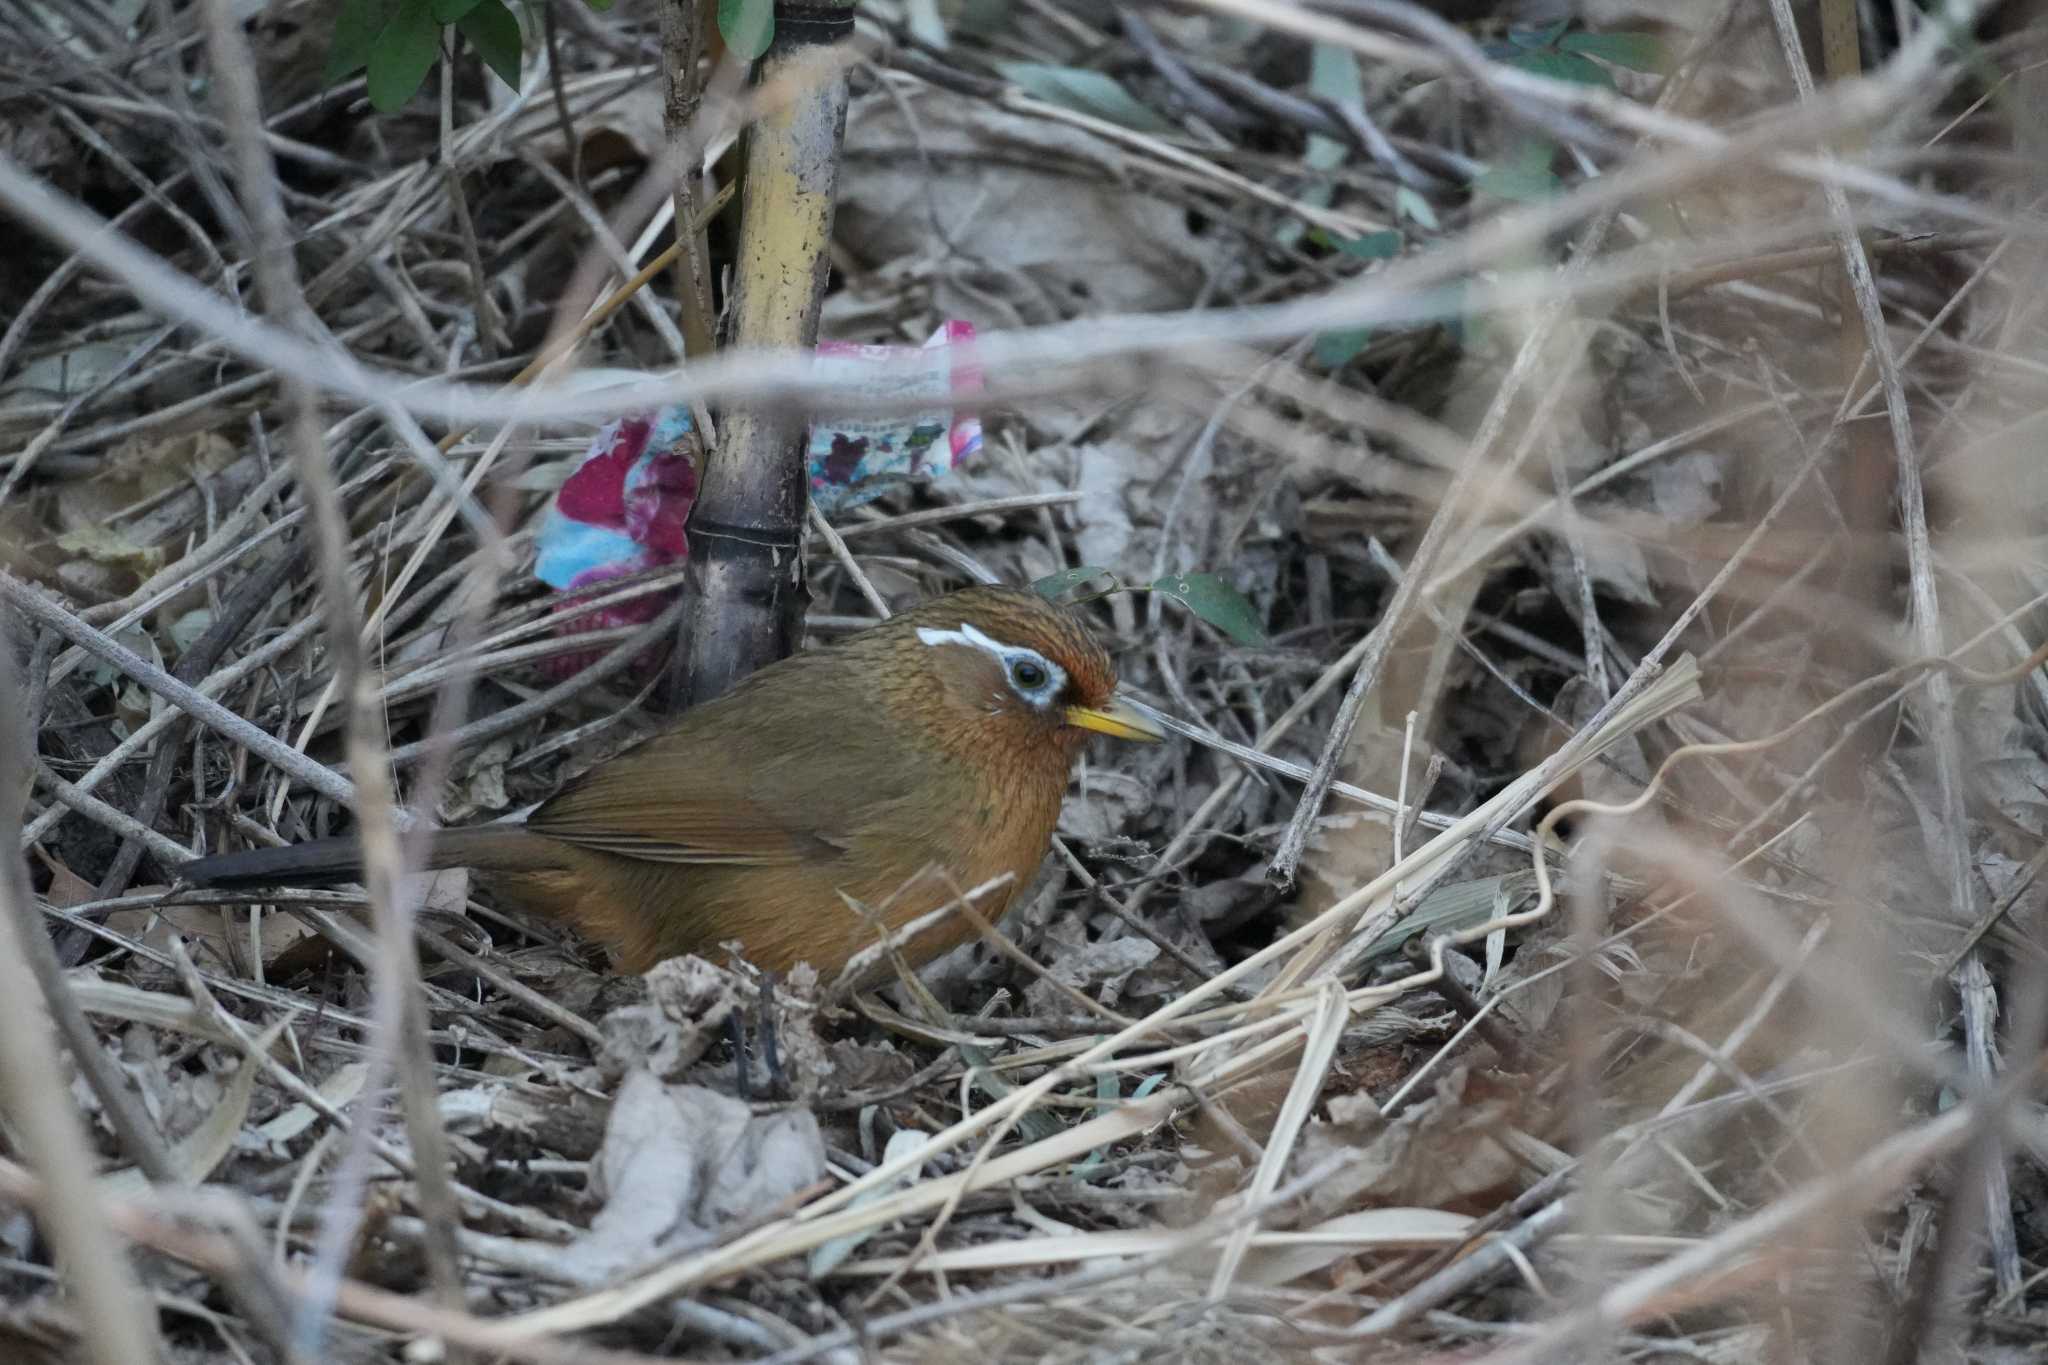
<point x="1334" y="78"/>
<point x="1216" y="602"/>
<point x="1085" y="92"/>
<point x="747" y="26"/>
<point x="926" y="24"/>
<point x="1574" y="58"/>
<point x="494" y="33"/>
<point x="1373" y="246"/>
<point x="1524" y="174"/>
<point x="1562" y="66"/>
<point x="1333" y="75"/>
<point x="356" y="27"/>
<point x="1412" y="206"/>
<point x="396" y="42"/>
<point x="1055" y="586"/>
<point x="1550" y="51"/>
<point x="1536" y="39"/>
<point x="403" y="55"/>
<point x="1636" y="51"/>
<point x="1204" y="594"/>
<point x="1334" y="350"/>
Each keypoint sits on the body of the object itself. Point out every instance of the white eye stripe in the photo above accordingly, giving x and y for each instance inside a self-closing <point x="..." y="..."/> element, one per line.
<point x="1039" y="691"/>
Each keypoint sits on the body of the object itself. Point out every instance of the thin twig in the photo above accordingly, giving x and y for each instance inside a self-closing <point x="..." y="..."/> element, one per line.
<point x="36" y="1099"/>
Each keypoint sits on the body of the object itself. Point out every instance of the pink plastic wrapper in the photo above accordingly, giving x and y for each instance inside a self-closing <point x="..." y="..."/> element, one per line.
<point x="855" y="459"/>
<point x="624" y="509"/>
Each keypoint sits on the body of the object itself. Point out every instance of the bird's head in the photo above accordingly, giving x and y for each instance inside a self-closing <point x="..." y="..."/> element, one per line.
<point x="1007" y="663"/>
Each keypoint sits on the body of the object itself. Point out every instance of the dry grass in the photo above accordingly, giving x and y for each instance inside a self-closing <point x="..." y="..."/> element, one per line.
<point x="1602" y="923"/>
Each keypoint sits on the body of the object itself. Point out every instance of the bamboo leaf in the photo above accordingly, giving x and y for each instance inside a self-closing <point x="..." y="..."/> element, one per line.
<point x="1216" y="602"/>
<point x="1108" y="1088"/>
<point x="1563" y="66"/>
<point x="1374" y="246"/>
<point x="829" y="1256"/>
<point x="1085" y="92"/>
<point x="1636" y="51"/>
<point x="1333" y="75"/>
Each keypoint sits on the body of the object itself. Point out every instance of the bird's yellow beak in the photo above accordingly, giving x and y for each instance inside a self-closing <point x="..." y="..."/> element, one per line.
<point x="1119" y="719"/>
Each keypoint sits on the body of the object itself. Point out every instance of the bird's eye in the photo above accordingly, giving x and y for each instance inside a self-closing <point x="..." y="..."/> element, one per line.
<point x="1028" y="675"/>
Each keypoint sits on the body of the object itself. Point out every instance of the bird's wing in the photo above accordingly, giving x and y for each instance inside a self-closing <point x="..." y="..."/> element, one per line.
<point x="716" y="790"/>
<point x="678" y="832"/>
<point x="705" y="823"/>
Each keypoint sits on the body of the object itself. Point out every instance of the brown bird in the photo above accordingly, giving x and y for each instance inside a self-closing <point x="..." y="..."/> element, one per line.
<point x="912" y="762"/>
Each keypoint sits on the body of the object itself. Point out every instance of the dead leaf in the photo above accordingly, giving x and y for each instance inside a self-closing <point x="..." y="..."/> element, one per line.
<point x="1438" y="1151"/>
<point x="1034" y="195"/>
<point x="688" y="1001"/>
<point x="680" y="1161"/>
<point x="67" y="888"/>
<point x="1099" y="970"/>
<point x="338" y="1090"/>
<point x="194" y="1156"/>
<point x="104" y="545"/>
<point x="222" y="932"/>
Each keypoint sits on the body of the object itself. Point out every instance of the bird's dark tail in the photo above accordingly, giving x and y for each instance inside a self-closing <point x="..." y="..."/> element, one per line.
<point x="322" y="862"/>
<point x="316" y="863"/>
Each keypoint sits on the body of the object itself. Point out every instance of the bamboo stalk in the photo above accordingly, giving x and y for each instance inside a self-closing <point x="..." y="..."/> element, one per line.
<point x="745" y="595"/>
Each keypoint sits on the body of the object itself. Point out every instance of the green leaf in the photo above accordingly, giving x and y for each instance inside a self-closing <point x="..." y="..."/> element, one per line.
<point x="1522" y="186"/>
<point x="1524" y="175"/>
<point x="1453" y="908"/>
<point x="1333" y="74"/>
<point x="829" y="1256"/>
<point x="356" y="27"/>
<point x="494" y="30"/>
<point x="1414" y="207"/>
<point x="403" y="55"/>
<point x="1052" y="587"/>
<point x="1374" y="246"/>
<point x="448" y="11"/>
<point x="1085" y="92"/>
<point x="1537" y="37"/>
<point x="1335" y="350"/>
<point x="601" y="6"/>
<point x="1108" y="1090"/>
<point x="1216" y="602"/>
<point x="982" y="18"/>
<point x="1636" y="51"/>
<point x="1563" y="66"/>
<point x="925" y="23"/>
<point x="747" y="26"/>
